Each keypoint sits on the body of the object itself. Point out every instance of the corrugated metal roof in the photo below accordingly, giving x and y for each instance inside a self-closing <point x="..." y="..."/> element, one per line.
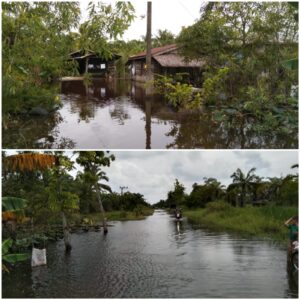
<point x="155" y="51"/>
<point x="175" y="60"/>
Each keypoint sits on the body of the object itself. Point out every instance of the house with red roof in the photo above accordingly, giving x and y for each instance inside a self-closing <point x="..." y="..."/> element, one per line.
<point x="165" y="60"/>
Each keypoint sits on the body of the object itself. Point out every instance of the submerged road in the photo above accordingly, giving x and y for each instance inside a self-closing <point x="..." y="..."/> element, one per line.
<point x="157" y="257"/>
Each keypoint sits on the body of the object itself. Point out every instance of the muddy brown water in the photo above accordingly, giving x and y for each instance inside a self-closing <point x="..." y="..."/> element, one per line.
<point x="119" y="115"/>
<point x="158" y="257"/>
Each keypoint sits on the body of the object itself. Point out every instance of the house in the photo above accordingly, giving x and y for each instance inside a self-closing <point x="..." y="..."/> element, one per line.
<point x="92" y="63"/>
<point x="165" y="60"/>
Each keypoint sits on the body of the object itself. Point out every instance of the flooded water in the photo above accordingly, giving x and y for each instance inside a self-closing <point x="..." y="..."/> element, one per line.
<point x="119" y="115"/>
<point x="157" y="257"/>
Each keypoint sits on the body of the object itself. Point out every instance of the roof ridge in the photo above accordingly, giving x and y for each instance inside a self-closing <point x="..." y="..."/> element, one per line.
<point x="156" y="50"/>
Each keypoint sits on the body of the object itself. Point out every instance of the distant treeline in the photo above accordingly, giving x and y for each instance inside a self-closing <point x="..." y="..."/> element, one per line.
<point x="246" y="189"/>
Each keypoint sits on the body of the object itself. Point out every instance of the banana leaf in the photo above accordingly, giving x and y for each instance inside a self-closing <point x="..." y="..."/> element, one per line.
<point x="14" y="258"/>
<point x="6" y="245"/>
<point x="13" y="204"/>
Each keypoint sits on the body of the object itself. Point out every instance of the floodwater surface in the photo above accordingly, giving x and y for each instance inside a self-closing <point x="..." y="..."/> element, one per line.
<point x="158" y="257"/>
<point x="119" y="115"/>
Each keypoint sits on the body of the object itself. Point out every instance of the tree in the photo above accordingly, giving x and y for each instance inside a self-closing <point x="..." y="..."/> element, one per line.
<point x="243" y="182"/>
<point x="92" y="161"/>
<point x="244" y="46"/>
<point x="177" y="196"/>
<point x="35" y="51"/>
<point x="105" y="22"/>
<point x="60" y="196"/>
<point x="163" y="38"/>
<point x="37" y="40"/>
<point x="202" y="194"/>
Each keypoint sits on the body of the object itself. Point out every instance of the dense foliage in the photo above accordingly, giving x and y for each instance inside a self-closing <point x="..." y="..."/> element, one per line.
<point x="246" y="189"/>
<point x="249" y="50"/>
<point x="37" y="39"/>
<point x="51" y="191"/>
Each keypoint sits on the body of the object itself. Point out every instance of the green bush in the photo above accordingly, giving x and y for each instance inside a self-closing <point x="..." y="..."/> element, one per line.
<point x="218" y="206"/>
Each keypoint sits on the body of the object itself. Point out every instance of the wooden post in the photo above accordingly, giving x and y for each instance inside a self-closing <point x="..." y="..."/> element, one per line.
<point x="105" y="231"/>
<point x="67" y="238"/>
<point x="148" y="55"/>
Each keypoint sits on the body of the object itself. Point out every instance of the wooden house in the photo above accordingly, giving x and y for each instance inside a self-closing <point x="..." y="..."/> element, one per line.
<point x="92" y="63"/>
<point x="165" y="60"/>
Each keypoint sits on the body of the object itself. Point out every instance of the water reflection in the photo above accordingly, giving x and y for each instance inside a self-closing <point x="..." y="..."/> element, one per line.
<point x="158" y="257"/>
<point x="122" y="114"/>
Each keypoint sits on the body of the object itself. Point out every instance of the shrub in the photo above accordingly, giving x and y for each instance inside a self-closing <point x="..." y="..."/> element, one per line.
<point x="218" y="206"/>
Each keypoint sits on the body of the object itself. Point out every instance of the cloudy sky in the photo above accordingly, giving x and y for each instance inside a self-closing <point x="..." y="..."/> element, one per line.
<point x="152" y="173"/>
<point x="167" y="14"/>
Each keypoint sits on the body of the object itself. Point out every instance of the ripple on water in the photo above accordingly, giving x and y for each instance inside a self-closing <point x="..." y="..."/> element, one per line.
<point x="155" y="258"/>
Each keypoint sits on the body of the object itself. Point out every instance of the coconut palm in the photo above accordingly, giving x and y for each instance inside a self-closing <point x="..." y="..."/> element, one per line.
<point x="92" y="161"/>
<point x="244" y="182"/>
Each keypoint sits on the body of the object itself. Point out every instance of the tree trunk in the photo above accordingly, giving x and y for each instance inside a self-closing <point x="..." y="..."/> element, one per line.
<point x="148" y="55"/>
<point x="67" y="237"/>
<point x="105" y="231"/>
<point x="242" y="196"/>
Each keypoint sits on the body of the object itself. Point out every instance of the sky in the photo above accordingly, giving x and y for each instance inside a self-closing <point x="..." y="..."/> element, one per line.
<point x="167" y="14"/>
<point x="152" y="173"/>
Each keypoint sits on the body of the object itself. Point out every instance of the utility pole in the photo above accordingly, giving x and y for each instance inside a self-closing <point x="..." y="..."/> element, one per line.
<point x="148" y="39"/>
<point x="123" y="188"/>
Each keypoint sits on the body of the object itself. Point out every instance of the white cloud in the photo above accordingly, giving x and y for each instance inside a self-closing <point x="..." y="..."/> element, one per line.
<point x="152" y="173"/>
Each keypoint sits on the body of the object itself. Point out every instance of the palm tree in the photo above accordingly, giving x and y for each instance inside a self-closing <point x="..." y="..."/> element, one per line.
<point x="244" y="182"/>
<point x="275" y="184"/>
<point x="92" y="162"/>
<point x="216" y="187"/>
<point x="92" y="177"/>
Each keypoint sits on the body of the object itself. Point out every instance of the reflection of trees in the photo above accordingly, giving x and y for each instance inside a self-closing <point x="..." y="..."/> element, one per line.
<point x="36" y="132"/>
<point x="202" y="132"/>
<point x="119" y="112"/>
<point x="85" y="99"/>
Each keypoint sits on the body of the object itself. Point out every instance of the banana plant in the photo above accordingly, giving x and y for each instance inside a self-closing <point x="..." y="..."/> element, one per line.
<point x="11" y="258"/>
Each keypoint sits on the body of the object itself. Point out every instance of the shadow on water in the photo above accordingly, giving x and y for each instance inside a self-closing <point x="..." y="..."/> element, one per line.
<point x="158" y="257"/>
<point x="119" y="114"/>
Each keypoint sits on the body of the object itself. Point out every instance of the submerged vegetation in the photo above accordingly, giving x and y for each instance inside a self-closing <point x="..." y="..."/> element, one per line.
<point x="59" y="200"/>
<point x="37" y="39"/>
<point x="249" y="77"/>
<point x="249" y="50"/>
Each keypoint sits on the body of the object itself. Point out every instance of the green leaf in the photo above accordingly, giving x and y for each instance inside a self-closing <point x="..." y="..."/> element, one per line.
<point x="291" y="64"/>
<point x="13" y="203"/>
<point x="14" y="258"/>
<point x="6" y="245"/>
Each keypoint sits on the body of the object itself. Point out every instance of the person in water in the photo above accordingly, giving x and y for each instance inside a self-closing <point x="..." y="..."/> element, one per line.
<point x="292" y="225"/>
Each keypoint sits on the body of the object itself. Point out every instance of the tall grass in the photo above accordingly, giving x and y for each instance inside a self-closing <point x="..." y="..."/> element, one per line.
<point x="267" y="222"/>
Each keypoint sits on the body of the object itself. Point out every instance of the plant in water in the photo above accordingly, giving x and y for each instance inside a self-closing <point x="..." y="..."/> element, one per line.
<point x="11" y="258"/>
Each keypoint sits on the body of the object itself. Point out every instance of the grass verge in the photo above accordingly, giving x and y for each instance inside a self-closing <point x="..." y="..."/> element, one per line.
<point x="121" y="215"/>
<point x="266" y="222"/>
